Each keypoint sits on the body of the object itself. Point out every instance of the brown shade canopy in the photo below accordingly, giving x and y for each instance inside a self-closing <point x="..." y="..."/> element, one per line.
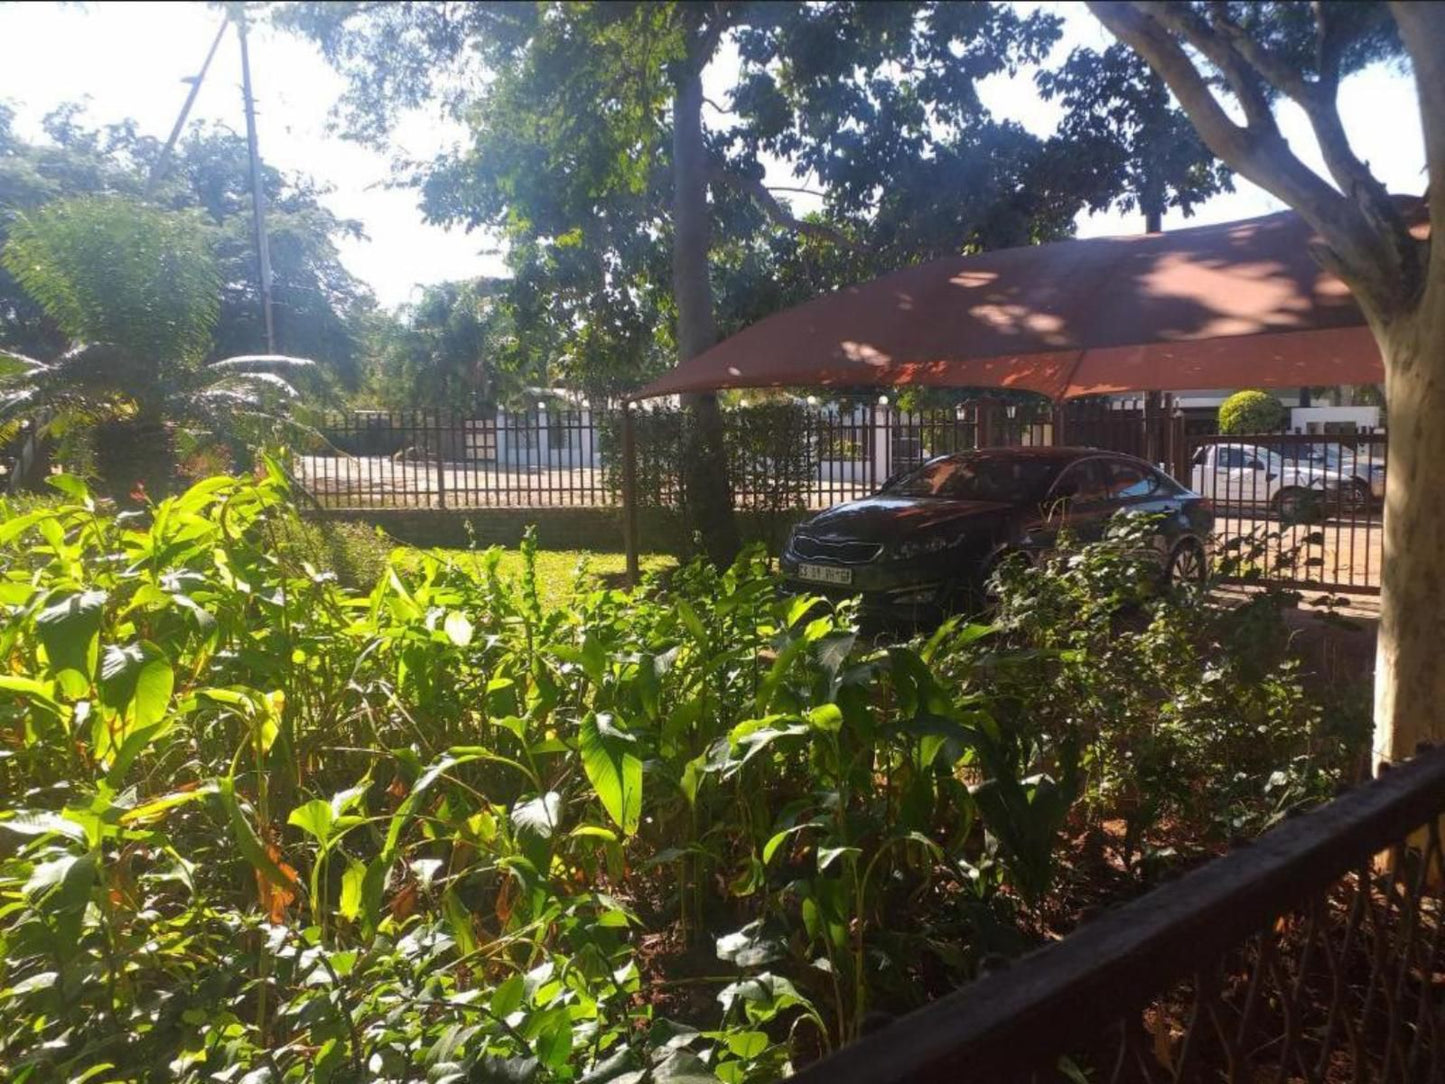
<point x="1241" y="304"/>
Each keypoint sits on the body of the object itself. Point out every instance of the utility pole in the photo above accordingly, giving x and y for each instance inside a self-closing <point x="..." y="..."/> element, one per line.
<point x="258" y="197"/>
<point x="164" y="161"/>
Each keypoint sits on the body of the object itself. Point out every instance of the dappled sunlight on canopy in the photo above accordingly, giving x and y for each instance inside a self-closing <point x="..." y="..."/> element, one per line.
<point x="1237" y="304"/>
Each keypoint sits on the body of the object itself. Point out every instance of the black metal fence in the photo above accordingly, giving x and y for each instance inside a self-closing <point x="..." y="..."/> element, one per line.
<point x="438" y="459"/>
<point x="781" y="455"/>
<point x="1300" y="509"/>
<point x="1316" y="953"/>
<point x="1291" y="508"/>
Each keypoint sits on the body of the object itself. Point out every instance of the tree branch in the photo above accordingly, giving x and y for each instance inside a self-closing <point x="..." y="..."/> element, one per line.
<point x="1259" y="155"/>
<point x="1364" y="237"/>
<point x="1422" y="29"/>
<point x="795" y="188"/>
<point x="1282" y="76"/>
<point x="1318" y="99"/>
<point x="755" y="190"/>
<point x="1192" y="27"/>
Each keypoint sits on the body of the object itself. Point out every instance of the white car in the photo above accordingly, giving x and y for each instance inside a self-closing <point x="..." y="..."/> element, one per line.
<point x="1253" y="475"/>
<point x="1367" y="472"/>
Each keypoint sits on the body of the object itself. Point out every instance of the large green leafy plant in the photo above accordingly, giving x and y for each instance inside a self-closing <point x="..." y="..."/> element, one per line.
<point x="137" y="292"/>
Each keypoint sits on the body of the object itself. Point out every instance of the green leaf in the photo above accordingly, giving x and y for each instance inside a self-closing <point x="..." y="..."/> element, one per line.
<point x="827" y="855"/>
<point x="43" y="822"/>
<point x="43" y="691"/>
<point x="761" y="997"/>
<point x="615" y="773"/>
<point x="691" y="621"/>
<point x="826" y="717"/>
<point x="14" y="528"/>
<point x="70" y="485"/>
<point x="251" y="847"/>
<point x="771" y="847"/>
<point x="351" y="883"/>
<point x="538" y="816"/>
<point x="459" y="921"/>
<point x="507" y="998"/>
<point x="554" y="1044"/>
<point x="153" y="687"/>
<point x="747" y="1044"/>
<point x="458" y="628"/>
<point x="750" y="947"/>
<point x="315" y="818"/>
<point x="136" y="680"/>
<point x="164" y="804"/>
<point x="136" y="742"/>
<point x="69" y="627"/>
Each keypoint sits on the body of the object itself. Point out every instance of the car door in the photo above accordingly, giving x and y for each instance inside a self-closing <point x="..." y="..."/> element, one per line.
<point x="1253" y="481"/>
<point x="1077" y="501"/>
<point x="1136" y="489"/>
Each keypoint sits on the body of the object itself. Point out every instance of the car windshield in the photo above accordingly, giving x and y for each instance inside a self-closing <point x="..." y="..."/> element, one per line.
<point x="1319" y="454"/>
<point x="1273" y="460"/>
<point x="978" y="477"/>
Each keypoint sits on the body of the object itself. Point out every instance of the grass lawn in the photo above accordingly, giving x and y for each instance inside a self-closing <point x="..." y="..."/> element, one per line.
<point x="556" y="568"/>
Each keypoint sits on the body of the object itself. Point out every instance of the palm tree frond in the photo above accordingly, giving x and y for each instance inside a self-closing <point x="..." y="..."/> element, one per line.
<point x="250" y="361"/>
<point x="14" y="365"/>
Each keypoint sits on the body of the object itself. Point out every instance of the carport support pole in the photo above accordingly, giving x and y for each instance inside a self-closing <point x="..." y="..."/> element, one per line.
<point x="629" y="492"/>
<point x="1151" y="427"/>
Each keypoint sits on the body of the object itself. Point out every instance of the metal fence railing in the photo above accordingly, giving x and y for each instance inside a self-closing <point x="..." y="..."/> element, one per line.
<point x="1316" y="954"/>
<point x="1299" y="509"/>
<point x="780" y="455"/>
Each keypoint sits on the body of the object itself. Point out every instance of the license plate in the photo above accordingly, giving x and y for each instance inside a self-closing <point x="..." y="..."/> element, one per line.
<point x="825" y="574"/>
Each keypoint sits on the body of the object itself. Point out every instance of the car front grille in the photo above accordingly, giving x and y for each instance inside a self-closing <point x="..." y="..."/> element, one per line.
<point x="843" y="551"/>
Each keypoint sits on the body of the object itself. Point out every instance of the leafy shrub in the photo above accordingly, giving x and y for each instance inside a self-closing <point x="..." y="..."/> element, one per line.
<point x="1184" y="710"/>
<point x="356" y="552"/>
<point x="260" y="824"/>
<point x="772" y="451"/>
<point x="1251" y="412"/>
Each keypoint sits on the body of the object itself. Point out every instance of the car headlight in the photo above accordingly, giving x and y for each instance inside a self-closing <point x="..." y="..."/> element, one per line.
<point x="923" y="547"/>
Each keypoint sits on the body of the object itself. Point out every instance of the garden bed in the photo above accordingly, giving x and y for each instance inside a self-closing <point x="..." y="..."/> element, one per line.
<point x="481" y="823"/>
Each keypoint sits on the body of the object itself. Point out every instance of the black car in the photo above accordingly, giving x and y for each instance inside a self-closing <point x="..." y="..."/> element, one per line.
<point x="926" y="544"/>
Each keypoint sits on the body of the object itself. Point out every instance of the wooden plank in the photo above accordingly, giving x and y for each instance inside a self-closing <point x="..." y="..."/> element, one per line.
<point x="1058" y="998"/>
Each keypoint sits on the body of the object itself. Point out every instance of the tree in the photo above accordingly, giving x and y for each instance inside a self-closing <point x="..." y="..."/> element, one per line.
<point x="135" y="291"/>
<point x="589" y="149"/>
<point x="455" y="347"/>
<point x="1250" y="56"/>
<point x="320" y="306"/>
<point x="1120" y="124"/>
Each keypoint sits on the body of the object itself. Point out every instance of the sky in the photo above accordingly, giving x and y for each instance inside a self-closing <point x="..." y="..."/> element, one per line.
<point x="128" y="60"/>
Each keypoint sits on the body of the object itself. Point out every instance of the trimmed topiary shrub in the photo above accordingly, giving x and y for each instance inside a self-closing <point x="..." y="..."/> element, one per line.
<point x="1251" y="412"/>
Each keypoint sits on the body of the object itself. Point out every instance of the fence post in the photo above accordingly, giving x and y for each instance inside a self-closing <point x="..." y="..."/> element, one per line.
<point x="1151" y="427"/>
<point x="441" y="460"/>
<point x="1059" y="427"/>
<point x="983" y="411"/>
<point x="880" y="461"/>
<point x="629" y="492"/>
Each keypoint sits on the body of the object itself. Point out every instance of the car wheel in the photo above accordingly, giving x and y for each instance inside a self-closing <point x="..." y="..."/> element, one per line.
<point x="1295" y="505"/>
<point x="1187" y="564"/>
<point x="1358" y="496"/>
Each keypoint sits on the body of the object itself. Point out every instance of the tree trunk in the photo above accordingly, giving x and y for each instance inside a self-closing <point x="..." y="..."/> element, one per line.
<point x="134" y="459"/>
<point x="707" y="496"/>
<point x="1409" y="670"/>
